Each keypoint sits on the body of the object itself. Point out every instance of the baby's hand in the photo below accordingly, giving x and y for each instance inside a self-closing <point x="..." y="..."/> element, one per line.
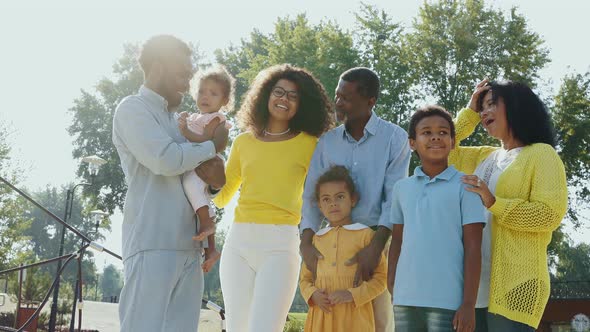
<point x="211" y="127"/>
<point x="182" y="124"/>
<point x="320" y="298"/>
<point x="340" y="296"/>
<point x="204" y="233"/>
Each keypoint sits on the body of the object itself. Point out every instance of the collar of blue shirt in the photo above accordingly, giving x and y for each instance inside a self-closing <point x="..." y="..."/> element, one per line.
<point x="446" y="175"/>
<point x="370" y="127"/>
<point x="151" y="96"/>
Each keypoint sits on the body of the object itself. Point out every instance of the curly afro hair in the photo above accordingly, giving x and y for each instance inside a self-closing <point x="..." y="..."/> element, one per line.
<point x="313" y="115"/>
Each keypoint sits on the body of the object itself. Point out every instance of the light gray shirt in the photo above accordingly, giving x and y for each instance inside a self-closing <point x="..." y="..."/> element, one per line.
<point x="154" y="155"/>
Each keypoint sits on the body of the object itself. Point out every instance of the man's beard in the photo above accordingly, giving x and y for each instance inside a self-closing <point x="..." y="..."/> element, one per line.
<point x="339" y="117"/>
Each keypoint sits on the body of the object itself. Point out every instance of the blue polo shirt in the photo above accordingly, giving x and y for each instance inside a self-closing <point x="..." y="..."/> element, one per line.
<point x="433" y="211"/>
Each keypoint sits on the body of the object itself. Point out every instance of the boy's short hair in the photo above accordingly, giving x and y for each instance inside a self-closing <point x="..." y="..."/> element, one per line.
<point x="335" y="173"/>
<point x="428" y="111"/>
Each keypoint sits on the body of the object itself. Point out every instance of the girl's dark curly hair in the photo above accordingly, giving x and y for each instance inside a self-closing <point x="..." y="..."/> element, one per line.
<point x="336" y="173"/>
<point x="314" y="115"/>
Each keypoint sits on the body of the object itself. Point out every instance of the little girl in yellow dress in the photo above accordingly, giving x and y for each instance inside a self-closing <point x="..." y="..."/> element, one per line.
<point x="335" y="304"/>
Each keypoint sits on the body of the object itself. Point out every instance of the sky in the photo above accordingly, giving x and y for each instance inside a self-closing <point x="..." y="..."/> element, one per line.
<point x="53" y="49"/>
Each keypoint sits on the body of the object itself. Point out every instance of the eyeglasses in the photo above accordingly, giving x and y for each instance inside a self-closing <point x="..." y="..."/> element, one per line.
<point x="278" y="92"/>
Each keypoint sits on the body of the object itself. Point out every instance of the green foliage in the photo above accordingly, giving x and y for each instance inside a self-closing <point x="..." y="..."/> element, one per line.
<point x="36" y="280"/>
<point x="7" y="318"/>
<point x="324" y="49"/>
<point x="111" y="282"/>
<point x="296" y="322"/>
<point x="382" y="48"/>
<point x="574" y="263"/>
<point x="571" y="114"/>
<point x="45" y="233"/>
<point x="12" y="206"/>
<point x="572" y="273"/>
<point x="294" y="325"/>
<point x="456" y="43"/>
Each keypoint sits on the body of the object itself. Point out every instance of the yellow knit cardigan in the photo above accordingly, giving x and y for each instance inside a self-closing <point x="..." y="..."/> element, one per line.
<point x="531" y="201"/>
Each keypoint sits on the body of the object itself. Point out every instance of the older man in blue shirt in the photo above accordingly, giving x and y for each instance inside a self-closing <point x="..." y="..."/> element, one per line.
<point x="163" y="279"/>
<point x="377" y="154"/>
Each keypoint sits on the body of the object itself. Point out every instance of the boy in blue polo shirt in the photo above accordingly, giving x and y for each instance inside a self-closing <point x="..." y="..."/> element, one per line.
<point x="435" y="253"/>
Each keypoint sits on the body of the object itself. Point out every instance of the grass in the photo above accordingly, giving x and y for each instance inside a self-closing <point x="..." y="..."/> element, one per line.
<point x="296" y="322"/>
<point x="300" y="316"/>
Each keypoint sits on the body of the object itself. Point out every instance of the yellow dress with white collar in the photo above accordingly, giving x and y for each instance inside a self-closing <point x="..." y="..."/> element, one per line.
<point x="337" y="245"/>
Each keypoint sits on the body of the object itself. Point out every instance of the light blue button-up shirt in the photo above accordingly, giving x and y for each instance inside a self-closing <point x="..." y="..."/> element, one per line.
<point x="376" y="162"/>
<point x="154" y="155"/>
<point x="433" y="211"/>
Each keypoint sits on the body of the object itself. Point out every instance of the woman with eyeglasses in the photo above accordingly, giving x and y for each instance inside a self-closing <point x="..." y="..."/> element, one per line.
<point x="284" y="112"/>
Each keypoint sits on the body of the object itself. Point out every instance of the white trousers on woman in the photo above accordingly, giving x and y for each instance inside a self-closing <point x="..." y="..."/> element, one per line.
<point x="259" y="273"/>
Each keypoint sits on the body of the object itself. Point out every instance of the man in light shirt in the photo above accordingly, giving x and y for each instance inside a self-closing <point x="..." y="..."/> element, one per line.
<point x="163" y="278"/>
<point x="377" y="155"/>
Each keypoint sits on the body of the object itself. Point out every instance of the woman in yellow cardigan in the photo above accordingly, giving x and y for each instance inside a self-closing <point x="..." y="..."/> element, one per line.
<point x="284" y="112"/>
<point x="523" y="186"/>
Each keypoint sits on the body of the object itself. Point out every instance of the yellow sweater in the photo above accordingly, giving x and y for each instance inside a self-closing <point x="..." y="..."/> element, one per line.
<point x="337" y="246"/>
<point x="270" y="176"/>
<point x="531" y="201"/>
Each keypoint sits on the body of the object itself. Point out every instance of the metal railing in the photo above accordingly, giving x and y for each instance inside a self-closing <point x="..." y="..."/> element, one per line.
<point x="86" y="243"/>
<point x="570" y="290"/>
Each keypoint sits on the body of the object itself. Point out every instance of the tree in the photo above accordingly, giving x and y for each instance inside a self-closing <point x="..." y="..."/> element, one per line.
<point x="382" y="48"/>
<point x="45" y="232"/>
<point x="111" y="282"/>
<point x="455" y="43"/>
<point x="572" y="273"/>
<point x="12" y="219"/>
<point x="36" y="281"/>
<point x="571" y="114"/>
<point x="324" y="49"/>
<point x="92" y="122"/>
<point x="574" y="263"/>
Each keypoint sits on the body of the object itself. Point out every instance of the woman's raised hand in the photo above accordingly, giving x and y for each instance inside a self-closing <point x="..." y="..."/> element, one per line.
<point x="479" y="89"/>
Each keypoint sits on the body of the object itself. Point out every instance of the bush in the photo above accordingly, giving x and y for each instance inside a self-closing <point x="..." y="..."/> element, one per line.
<point x="7" y="319"/>
<point x="294" y="326"/>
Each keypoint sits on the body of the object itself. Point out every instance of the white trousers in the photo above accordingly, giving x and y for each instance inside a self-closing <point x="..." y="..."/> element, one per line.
<point x="259" y="273"/>
<point x="162" y="291"/>
<point x="196" y="190"/>
<point x="383" y="311"/>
